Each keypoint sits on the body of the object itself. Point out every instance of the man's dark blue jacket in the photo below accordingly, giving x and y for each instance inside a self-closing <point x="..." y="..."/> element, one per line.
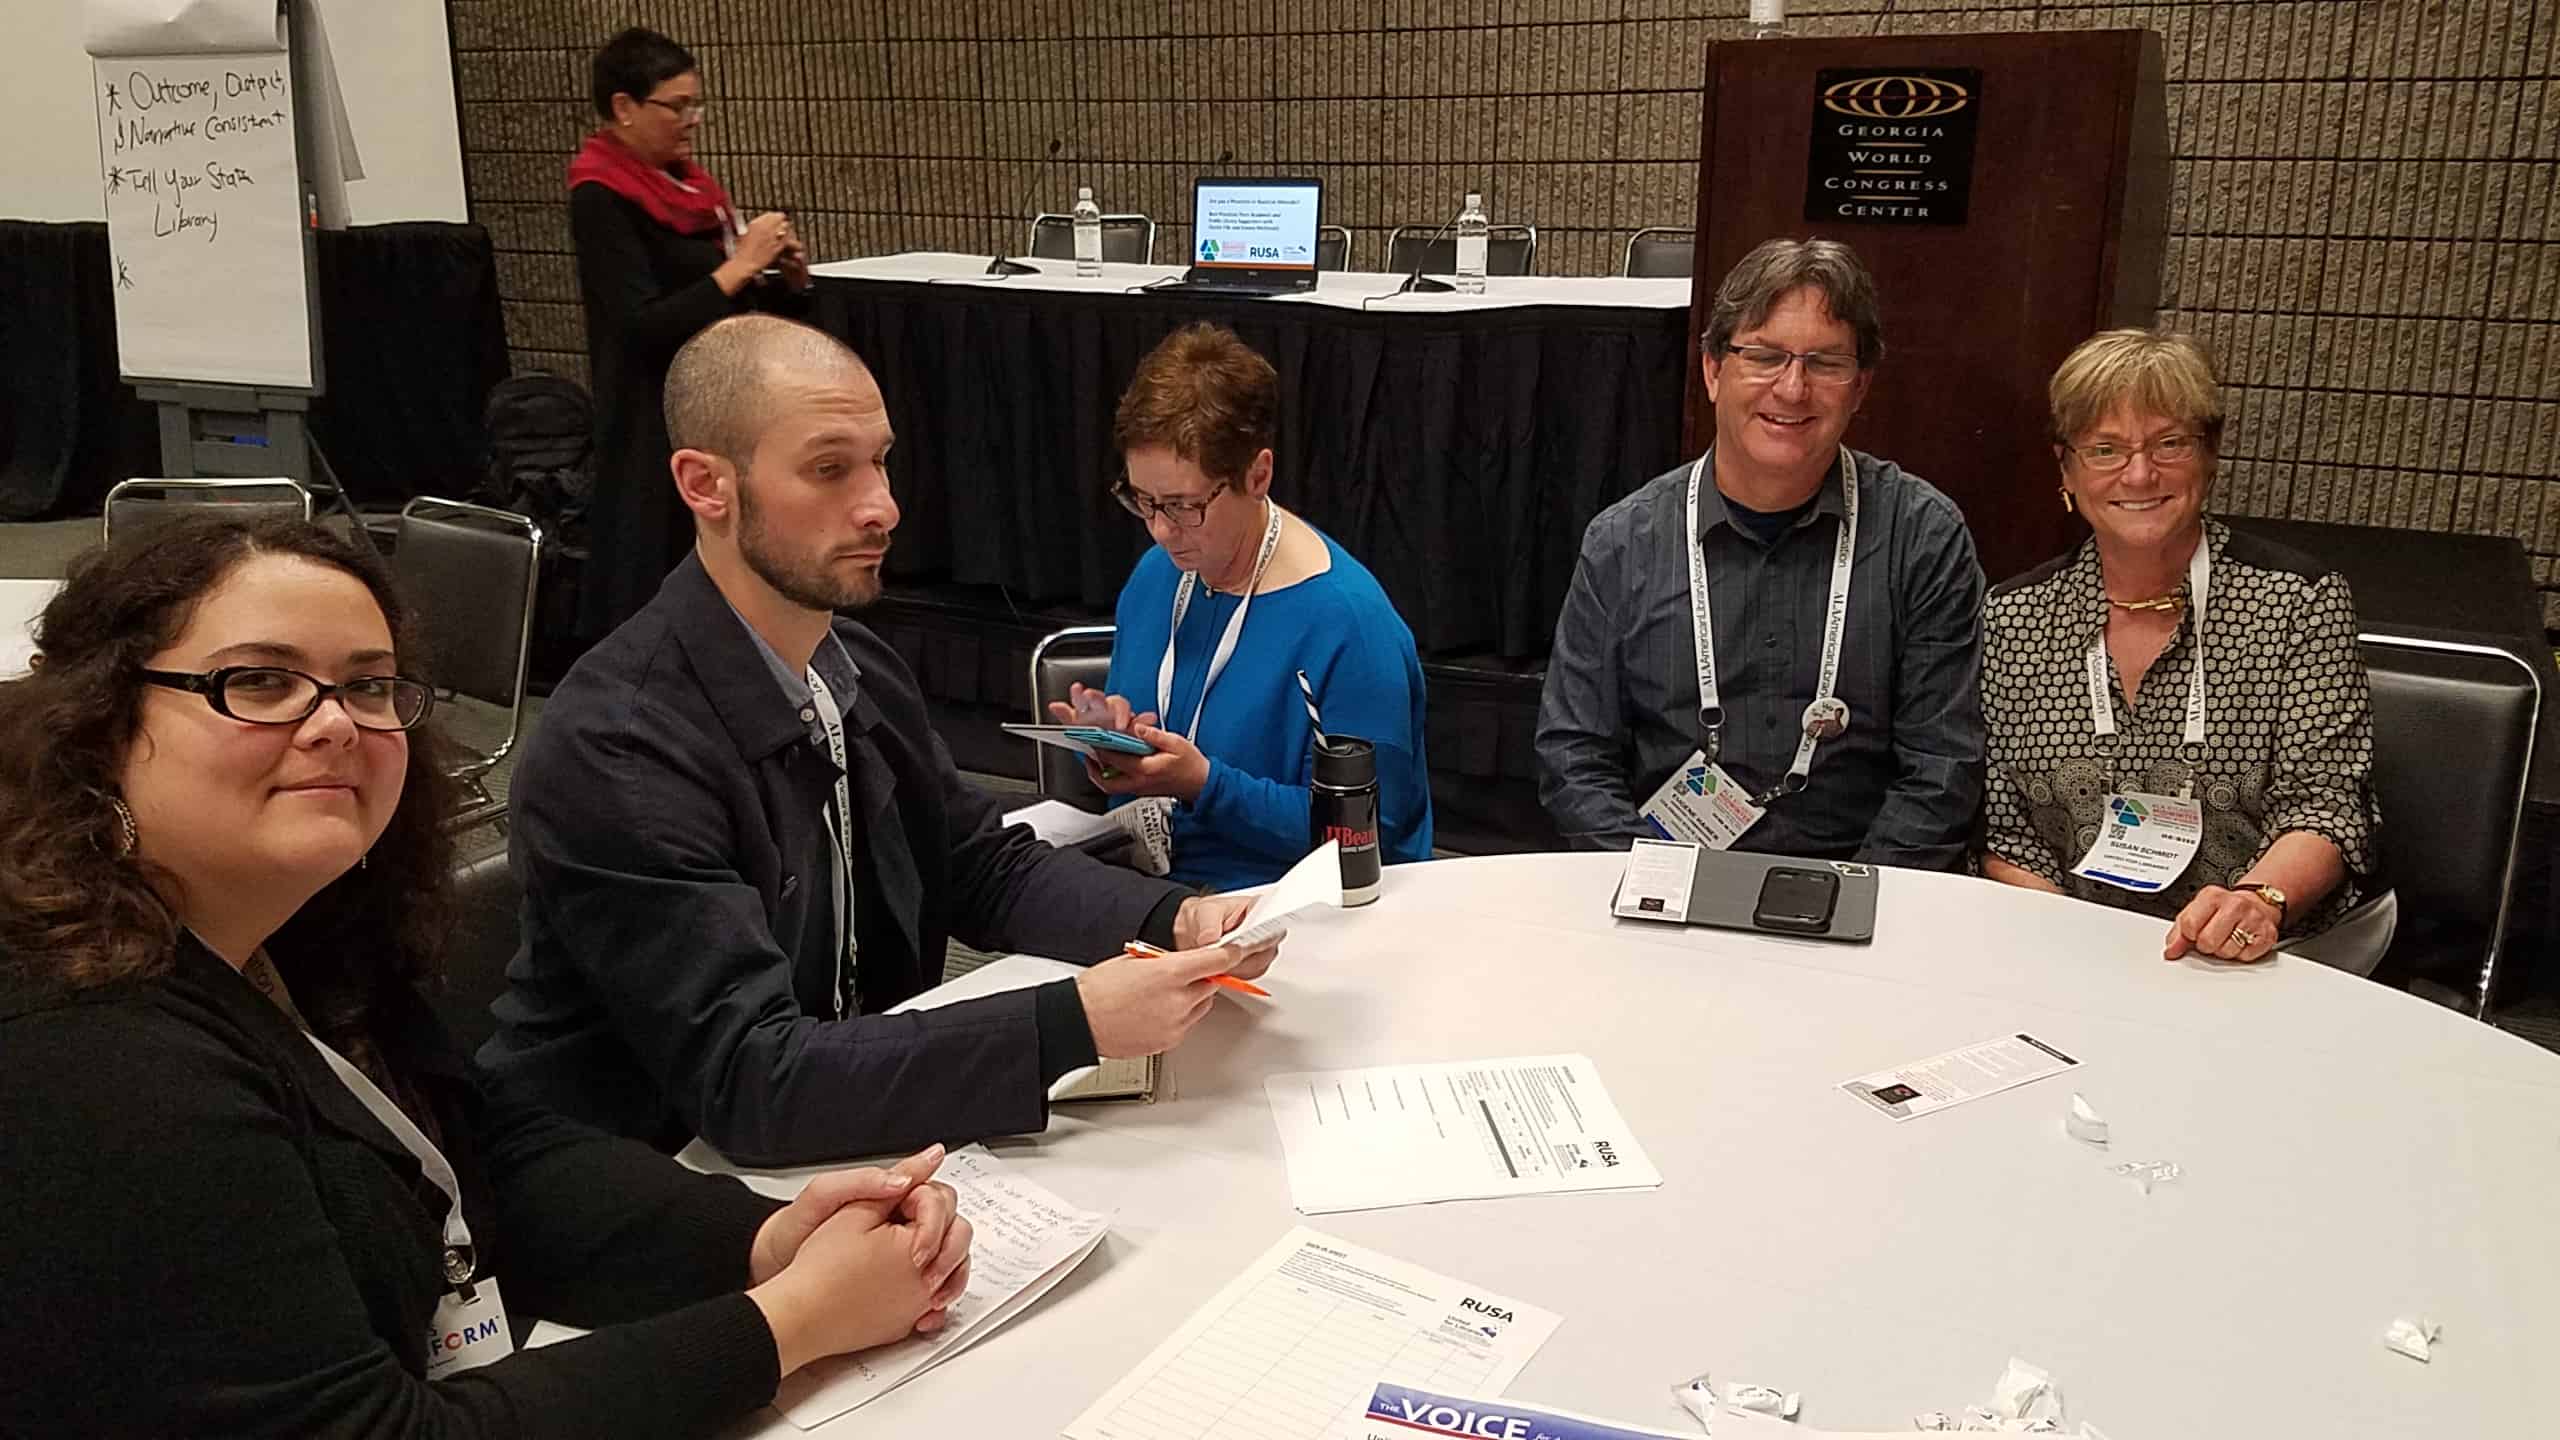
<point x="677" y="970"/>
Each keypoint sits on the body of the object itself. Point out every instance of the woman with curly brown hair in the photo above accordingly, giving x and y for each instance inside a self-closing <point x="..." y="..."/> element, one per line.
<point x="251" y="1189"/>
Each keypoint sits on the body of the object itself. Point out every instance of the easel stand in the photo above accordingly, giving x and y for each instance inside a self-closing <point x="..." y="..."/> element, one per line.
<point x="243" y="432"/>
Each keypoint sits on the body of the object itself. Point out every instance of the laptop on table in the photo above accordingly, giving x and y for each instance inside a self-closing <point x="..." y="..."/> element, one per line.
<point x="1253" y="236"/>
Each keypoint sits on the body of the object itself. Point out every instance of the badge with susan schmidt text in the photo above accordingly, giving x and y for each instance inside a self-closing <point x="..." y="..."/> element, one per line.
<point x="2144" y="842"/>
<point x="1892" y="146"/>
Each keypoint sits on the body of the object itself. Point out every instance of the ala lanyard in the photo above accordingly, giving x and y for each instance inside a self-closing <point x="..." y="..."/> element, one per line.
<point x="832" y="719"/>
<point x="458" y="1258"/>
<point x="2102" y="710"/>
<point x="1835" y="627"/>
<point x="1226" y="650"/>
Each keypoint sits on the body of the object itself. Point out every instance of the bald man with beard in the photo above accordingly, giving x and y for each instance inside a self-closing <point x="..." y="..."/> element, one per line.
<point x="740" y="841"/>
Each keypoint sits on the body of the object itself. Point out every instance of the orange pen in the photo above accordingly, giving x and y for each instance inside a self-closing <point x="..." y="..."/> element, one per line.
<point x="1140" y="949"/>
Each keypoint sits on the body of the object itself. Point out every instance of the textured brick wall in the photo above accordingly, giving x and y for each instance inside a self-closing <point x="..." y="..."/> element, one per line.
<point x="2364" y="217"/>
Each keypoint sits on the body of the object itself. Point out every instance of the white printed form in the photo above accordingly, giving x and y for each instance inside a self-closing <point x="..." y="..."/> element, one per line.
<point x="1026" y="1241"/>
<point x="1294" y="1347"/>
<point x="1465" y="1130"/>
<point x="1959" y="1075"/>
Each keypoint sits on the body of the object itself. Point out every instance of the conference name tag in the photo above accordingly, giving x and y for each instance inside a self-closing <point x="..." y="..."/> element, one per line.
<point x="2144" y="842"/>
<point x="468" y="1332"/>
<point x="1702" y="805"/>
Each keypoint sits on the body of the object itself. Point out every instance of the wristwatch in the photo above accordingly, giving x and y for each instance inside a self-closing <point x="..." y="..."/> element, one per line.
<point x="2268" y="893"/>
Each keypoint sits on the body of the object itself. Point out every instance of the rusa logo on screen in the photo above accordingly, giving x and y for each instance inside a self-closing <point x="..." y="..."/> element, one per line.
<point x="1896" y="97"/>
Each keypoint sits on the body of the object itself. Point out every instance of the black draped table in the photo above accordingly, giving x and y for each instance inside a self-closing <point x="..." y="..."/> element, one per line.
<point x="411" y="340"/>
<point x="1456" y="444"/>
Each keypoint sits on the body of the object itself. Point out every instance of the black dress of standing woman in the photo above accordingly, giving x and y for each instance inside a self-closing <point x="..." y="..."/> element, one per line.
<point x="661" y="254"/>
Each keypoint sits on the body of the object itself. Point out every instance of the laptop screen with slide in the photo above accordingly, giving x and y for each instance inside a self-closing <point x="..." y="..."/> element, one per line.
<point x="1255" y="232"/>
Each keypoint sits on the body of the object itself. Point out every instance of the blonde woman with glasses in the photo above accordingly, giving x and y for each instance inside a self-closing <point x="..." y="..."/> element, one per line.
<point x="2178" y="714"/>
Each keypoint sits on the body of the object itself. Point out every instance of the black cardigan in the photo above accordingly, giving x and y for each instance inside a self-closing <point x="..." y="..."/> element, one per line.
<point x="646" y="291"/>
<point x="208" y="1234"/>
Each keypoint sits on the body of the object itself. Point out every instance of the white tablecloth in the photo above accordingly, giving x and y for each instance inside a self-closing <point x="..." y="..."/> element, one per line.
<point x="21" y="601"/>
<point x="2351" y="1154"/>
<point x="1349" y="289"/>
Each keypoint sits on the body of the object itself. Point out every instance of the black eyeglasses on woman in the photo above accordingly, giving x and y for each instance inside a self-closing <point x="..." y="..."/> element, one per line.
<point x="273" y="695"/>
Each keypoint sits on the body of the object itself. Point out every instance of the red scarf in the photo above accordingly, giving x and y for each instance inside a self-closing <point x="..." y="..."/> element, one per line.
<point x="689" y="205"/>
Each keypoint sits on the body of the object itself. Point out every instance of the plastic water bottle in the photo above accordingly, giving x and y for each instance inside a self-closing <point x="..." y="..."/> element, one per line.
<point x="1768" y="19"/>
<point x="1472" y="233"/>
<point x="1088" y="233"/>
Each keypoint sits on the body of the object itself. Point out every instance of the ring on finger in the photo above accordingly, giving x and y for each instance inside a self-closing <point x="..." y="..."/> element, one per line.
<point x="2241" y="934"/>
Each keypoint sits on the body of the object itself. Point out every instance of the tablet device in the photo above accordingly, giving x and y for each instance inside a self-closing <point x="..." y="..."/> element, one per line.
<point x="1676" y="883"/>
<point x="1089" y="740"/>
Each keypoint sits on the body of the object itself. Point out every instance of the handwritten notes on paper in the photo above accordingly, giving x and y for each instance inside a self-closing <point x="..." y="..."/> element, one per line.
<point x="204" y="218"/>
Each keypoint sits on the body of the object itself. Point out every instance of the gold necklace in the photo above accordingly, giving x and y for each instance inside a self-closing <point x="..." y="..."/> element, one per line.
<point x="2174" y="600"/>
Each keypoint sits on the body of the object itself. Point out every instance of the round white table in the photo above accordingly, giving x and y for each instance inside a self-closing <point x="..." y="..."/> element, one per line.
<point x="2351" y="1154"/>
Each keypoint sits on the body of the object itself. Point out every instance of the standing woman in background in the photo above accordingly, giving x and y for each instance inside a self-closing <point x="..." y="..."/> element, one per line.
<point x="661" y="254"/>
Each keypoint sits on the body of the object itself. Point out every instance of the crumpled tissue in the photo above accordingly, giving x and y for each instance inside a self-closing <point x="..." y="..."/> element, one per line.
<point x="2147" y="1173"/>
<point x="2027" y="1392"/>
<point x="2414" y="1338"/>
<point x="1697" y="1395"/>
<point x="2084" y="1124"/>
<point x="1761" y="1400"/>
<point x="2026" y="1400"/>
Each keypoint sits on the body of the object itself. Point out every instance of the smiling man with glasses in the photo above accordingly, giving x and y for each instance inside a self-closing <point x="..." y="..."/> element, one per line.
<point x="1775" y="647"/>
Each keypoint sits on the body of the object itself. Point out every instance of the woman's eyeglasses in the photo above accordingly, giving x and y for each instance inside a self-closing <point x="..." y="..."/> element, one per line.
<point x="1189" y="514"/>
<point x="273" y="695"/>
<point x="681" y="109"/>
<point x="2107" y="456"/>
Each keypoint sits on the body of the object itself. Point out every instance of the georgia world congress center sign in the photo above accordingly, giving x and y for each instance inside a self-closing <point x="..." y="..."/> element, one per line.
<point x="1892" y="146"/>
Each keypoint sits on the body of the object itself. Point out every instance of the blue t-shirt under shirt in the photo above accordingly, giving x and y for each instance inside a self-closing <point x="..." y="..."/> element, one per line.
<point x="1250" y="822"/>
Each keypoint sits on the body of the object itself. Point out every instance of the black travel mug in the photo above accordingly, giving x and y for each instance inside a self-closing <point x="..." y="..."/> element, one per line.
<point x="1344" y="809"/>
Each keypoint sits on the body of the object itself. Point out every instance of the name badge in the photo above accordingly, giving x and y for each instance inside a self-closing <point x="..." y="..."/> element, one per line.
<point x="1702" y="805"/>
<point x="468" y="1333"/>
<point x="2144" y="842"/>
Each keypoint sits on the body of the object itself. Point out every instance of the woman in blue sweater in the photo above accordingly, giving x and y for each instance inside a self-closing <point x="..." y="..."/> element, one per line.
<point x="1217" y="621"/>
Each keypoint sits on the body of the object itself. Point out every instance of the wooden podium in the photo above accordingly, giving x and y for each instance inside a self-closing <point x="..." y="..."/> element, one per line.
<point x="2009" y="191"/>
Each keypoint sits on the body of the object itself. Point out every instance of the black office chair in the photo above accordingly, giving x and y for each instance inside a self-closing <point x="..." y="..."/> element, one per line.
<point x="140" y="506"/>
<point x="2453" y="733"/>
<point x="473" y="573"/>
<point x="1661" y="252"/>
<point x="1077" y="655"/>
<point x="1333" y="248"/>
<point x="1126" y="239"/>
<point x="476" y="954"/>
<point x="1509" y="250"/>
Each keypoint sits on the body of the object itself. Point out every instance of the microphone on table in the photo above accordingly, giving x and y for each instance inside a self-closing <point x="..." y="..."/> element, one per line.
<point x="1416" y="283"/>
<point x="1000" y="265"/>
